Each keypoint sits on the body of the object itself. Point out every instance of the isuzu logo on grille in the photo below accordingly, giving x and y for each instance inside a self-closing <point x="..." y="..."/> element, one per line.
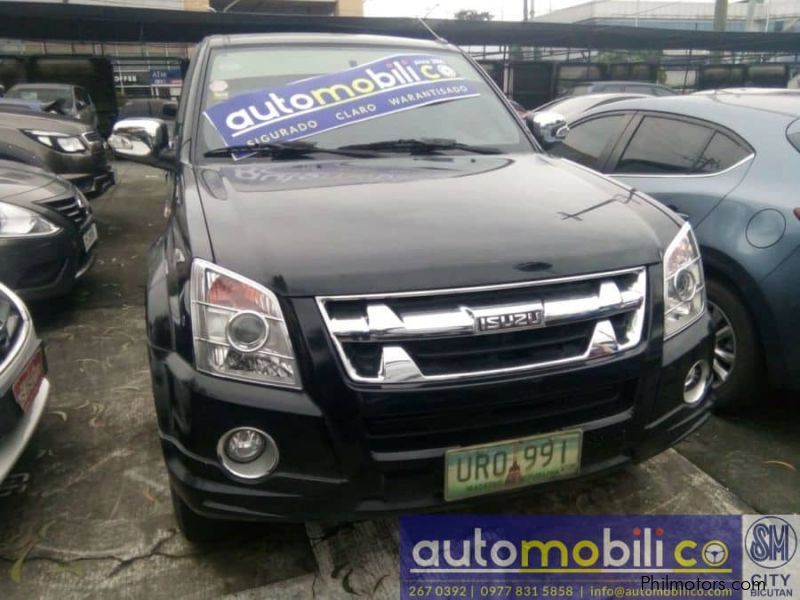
<point x="499" y="318"/>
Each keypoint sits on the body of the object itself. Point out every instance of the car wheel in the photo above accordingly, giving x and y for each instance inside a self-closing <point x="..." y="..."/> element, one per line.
<point x="194" y="527"/>
<point x="737" y="365"/>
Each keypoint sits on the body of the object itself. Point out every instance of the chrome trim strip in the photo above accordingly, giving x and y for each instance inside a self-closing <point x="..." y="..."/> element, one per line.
<point x="396" y="366"/>
<point x="85" y="268"/>
<point x="747" y="158"/>
<point x="382" y="323"/>
<point x="484" y="288"/>
<point x="261" y="352"/>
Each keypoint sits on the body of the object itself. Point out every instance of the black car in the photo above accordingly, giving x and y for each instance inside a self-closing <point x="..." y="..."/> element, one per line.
<point x="412" y="304"/>
<point x="72" y="100"/>
<point x="57" y="143"/>
<point x="47" y="232"/>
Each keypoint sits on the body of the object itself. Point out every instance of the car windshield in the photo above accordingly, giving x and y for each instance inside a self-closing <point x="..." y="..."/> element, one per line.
<point x="339" y="96"/>
<point x="41" y="94"/>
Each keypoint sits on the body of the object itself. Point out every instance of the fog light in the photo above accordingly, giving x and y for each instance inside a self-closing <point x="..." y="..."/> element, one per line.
<point x="248" y="453"/>
<point x="244" y="445"/>
<point x="696" y="382"/>
<point x="247" y="331"/>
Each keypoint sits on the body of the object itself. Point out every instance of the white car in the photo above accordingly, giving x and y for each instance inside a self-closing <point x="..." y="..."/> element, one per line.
<point x="24" y="386"/>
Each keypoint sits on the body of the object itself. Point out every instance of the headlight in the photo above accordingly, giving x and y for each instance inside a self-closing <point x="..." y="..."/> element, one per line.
<point x="16" y="221"/>
<point x="684" y="284"/>
<point x="57" y="141"/>
<point x="239" y="330"/>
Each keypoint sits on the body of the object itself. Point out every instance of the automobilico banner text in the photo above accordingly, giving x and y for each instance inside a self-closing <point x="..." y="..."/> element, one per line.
<point x="571" y="556"/>
<point x="311" y="106"/>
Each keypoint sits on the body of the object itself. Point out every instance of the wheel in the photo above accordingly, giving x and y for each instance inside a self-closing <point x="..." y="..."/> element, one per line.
<point x="737" y="365"/>
<point x="194" y="527"/>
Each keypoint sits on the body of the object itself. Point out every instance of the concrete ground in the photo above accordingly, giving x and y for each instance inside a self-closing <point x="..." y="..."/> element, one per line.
<point x="87" y="513"/>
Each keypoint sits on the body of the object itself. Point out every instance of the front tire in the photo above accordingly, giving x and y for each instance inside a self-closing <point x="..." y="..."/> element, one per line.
<point x="737" y="366"/>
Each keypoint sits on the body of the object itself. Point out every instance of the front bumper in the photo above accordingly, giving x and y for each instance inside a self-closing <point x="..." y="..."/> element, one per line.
<point x="45" y="267"/>
<point x="365" y="457"/>
<point x="93" y="184"/>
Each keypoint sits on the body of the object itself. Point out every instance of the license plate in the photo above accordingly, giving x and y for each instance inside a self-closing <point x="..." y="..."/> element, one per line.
<point x="27" y="385"/>
<point x="90" y="237"/>
<point x="501" y="466"/>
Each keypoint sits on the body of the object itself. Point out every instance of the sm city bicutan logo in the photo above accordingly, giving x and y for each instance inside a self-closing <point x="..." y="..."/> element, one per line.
<point x="770" y="542"/>
<point x="633" y="551"/>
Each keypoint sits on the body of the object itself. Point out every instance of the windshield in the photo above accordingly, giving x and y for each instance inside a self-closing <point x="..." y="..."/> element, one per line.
<point x="43" y="95"/>
<point x="336" y="96"/>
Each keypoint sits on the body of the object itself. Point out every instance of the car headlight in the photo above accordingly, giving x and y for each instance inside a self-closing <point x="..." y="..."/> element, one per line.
<point x="684" y="283"/>
<point x="16" y="221"/>
<point x="239" y="329"/>
<point x="58" y="141"/>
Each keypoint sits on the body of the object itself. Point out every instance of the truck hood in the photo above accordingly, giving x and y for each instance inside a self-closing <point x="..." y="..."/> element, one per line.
<point x="412" y="223"/>
<point x="18" y="118"/>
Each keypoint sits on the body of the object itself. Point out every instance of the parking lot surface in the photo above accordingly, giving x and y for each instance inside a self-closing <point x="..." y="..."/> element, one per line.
<point x="87" y="512"/>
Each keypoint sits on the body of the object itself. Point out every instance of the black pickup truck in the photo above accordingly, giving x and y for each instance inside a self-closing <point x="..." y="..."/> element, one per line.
<point x="375" y="292"/>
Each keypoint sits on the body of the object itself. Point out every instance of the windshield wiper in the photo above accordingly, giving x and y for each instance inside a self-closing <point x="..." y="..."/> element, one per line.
<point x="278" y="150"/>
<point x="421" y="146"/>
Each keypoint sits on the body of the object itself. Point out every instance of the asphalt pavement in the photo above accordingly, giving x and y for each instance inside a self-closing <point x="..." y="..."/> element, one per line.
<point x="86" y="512"/>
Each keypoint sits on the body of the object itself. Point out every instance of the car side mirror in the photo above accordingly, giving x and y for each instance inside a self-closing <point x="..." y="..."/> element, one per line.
<point x="80" y="105"/>
<point x="144" y="141"/>
<point x="549" y="128"/>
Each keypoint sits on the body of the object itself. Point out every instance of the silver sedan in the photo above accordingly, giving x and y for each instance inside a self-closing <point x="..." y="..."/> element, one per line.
<point x="24" y="387"/>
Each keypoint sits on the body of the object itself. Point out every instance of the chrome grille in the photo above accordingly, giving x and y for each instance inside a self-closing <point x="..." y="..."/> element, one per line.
<point x="419" y="337"/>
<point x="72" y="208"/>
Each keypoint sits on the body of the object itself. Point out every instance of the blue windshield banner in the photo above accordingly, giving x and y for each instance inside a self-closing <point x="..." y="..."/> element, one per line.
<point x="311" y="106"/>
<point x="595" y="556"/>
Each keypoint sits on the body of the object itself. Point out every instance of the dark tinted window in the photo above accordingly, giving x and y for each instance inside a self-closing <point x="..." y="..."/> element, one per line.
<point x="722" y="152"/>
<point x="82" y="96"/>
<point x="662" y="91"/>
<point x="586" y="142"/>
<point x="664" y="146"/>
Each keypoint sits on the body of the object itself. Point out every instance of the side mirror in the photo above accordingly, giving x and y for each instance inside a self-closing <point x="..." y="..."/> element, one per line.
<point x="80" y="105"/>
<point x="142" y="140"/>
<point x="549" y="128"/>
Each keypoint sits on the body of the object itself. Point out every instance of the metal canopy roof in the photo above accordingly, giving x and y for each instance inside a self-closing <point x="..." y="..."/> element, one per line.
<point x="80" y="22"/>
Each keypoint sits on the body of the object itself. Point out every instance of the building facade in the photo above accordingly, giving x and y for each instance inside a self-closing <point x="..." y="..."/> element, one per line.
<point x="343" y="8"/>
<point x="774" y="16"/>
<point x="152" y="69"/>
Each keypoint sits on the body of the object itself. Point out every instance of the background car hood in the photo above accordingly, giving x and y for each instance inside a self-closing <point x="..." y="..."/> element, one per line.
<point x="19" y="118"/>
<point x="381" y="225"/>
<point x="24" y="182"/>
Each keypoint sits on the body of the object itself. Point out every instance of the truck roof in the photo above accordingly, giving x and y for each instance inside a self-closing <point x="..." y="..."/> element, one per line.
<point x="250" y="39"/>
